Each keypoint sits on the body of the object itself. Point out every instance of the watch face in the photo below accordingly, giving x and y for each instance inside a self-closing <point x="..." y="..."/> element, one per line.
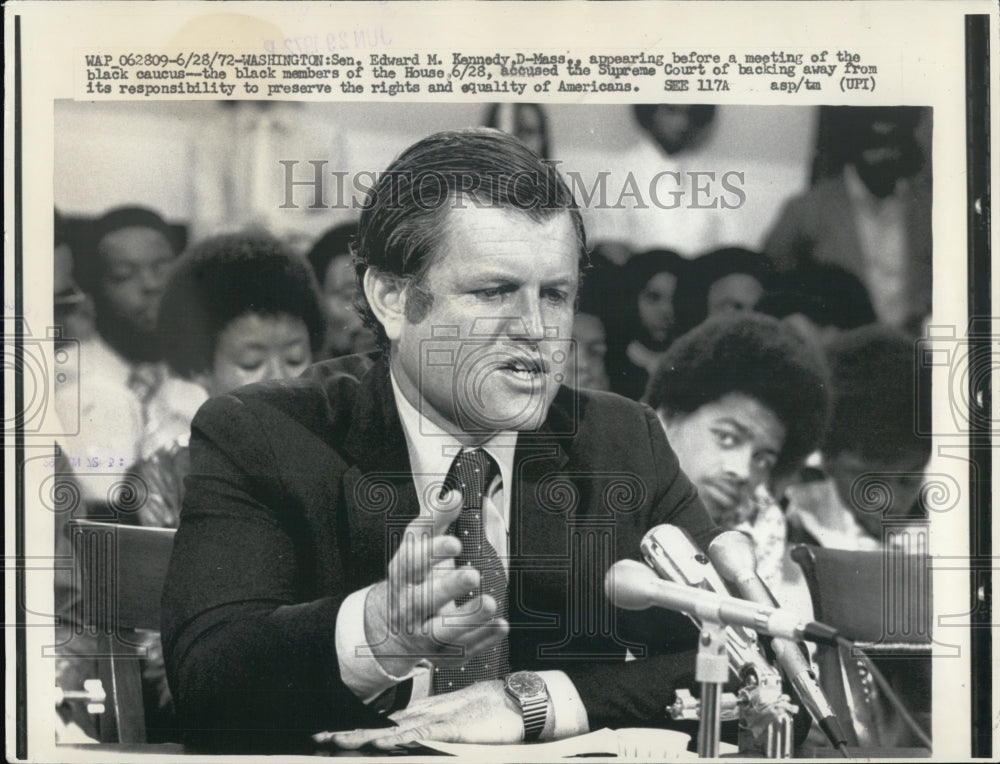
<point x="525" y="684"/>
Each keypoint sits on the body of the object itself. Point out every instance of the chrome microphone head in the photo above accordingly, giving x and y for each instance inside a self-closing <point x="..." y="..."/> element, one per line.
<point x="628" y="583"/>
<point x="675" y="556"/>
<point x="733" y="555"/>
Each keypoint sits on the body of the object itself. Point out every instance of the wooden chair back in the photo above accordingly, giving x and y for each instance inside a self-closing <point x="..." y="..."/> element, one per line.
<point x="881" y="600"/>
<point x="122" y="571"/>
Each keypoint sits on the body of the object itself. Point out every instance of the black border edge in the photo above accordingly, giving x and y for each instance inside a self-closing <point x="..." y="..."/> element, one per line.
<point x="20" y="638"/>
<point x="980" y="337"/>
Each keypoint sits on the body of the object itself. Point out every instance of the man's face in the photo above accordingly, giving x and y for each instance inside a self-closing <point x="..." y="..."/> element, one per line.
<point x="734" y="293"/>
<point x="672" y="127"/>
<point x="488" y="353"/>
<point x="135" y="264"/>
<point x="727" y="448"/>
<point x="881" y="156"/>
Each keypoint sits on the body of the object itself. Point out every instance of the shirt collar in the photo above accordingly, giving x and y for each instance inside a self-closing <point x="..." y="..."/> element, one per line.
<point x="433" y="449"/>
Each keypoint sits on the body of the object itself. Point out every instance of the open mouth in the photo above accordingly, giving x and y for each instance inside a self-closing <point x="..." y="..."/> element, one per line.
<point x="524" y="367"/>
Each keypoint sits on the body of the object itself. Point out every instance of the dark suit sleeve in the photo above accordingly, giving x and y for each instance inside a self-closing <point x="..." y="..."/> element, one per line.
<point x="636" y="693"/>
<point x="251" y="666"/>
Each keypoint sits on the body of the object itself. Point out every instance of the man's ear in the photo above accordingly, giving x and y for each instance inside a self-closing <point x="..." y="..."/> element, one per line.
<point x="386" y="295"/>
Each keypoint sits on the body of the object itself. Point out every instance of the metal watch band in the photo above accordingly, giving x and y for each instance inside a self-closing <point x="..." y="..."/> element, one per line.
<point x="533" y="712"/>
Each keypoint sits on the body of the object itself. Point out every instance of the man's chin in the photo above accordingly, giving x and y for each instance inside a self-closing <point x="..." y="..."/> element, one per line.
<point x="499" y="421"/>
<point x="496" y="413"/>
<point x="724" y="514"/>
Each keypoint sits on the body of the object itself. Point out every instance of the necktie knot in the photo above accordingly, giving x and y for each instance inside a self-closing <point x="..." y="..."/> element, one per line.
<point x="472" y="472"/>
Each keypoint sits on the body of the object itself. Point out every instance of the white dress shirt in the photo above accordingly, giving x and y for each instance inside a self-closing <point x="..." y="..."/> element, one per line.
<point x="432" y="451"/>
<point x="882" y="229"/>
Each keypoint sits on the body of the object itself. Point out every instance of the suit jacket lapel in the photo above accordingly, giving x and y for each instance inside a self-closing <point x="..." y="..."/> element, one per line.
<point x="541" y="501"/>
<point x="379" y="494"/>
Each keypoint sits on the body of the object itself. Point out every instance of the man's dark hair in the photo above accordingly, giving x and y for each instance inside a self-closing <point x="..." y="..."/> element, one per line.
<point x="88" y="268"/>
<point x="226" y="277"/>
<point x="404" y="217"/>
<point x="878" y="393"/>
<point x="825" y="293"/>
<point x="755" y="355"/>
<point x="335" y="242"/>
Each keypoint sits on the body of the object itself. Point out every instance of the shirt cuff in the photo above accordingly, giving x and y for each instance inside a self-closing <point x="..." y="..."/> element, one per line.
<point x="359" y="668"/>
<point x="568" y="715"/>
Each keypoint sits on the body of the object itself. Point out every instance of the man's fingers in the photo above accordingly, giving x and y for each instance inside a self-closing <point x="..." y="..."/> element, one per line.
<point x="418" y="553"/>
<point x="354" y="738"/>
<point x="443" y="586"/>
<point x="445" y="510"/>
<point x="408" y="731"/>
<point x="470" y="642"/>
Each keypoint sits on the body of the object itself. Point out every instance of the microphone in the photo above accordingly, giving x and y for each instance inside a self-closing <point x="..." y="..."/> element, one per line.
<point x="631" y="585"/>
<point x="732" y="553"/>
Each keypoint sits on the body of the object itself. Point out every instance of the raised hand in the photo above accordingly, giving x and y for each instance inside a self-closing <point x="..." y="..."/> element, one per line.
<point x="412" y="614"/>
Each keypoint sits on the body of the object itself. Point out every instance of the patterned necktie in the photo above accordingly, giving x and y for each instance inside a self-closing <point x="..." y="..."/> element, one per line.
<point x="471" y="473"/>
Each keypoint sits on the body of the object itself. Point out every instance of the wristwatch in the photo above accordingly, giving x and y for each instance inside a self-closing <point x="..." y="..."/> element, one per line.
<point x="529" y="692"/>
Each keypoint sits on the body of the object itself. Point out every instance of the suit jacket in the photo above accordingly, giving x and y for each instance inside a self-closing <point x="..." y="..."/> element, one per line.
<point x="298" y="493"/>
<point x="819" y="226"/>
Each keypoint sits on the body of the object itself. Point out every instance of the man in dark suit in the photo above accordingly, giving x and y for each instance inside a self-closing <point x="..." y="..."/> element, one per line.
<point x="414" y="546"/>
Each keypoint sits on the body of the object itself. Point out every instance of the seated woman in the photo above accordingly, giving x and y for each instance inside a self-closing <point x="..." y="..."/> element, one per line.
<point x="645" y="325"/>
<point x="743" y="401"/>
<point x="238" y="309"/>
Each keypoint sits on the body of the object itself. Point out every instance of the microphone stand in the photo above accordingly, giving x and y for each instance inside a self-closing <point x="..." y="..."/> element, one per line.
<point x="711" y="671"/>
<point x="765" y="713"/>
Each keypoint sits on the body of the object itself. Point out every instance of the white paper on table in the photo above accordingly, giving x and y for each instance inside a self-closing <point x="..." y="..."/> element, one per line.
<point x="637" y="743"/>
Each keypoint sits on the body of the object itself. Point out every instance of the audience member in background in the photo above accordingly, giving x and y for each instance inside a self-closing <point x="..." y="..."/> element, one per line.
<point x="588" y="368"/>
<point x="123" y="270"/>
<point x="819" y="301"/>
<point x="525" y="121"/>
<point x="661" y="165"/>
<point x="73" y="311"/>
<point x="238" y="309"/>
<point x="728" y="280"/>
<point x="331" y="261"/>
<point x="743" y="400"/>
<point x="872" y="219"/>
<point x="647" y="319"/>
<point x="872" y="461"/>
<point x="590" y="342"/>
<point x="125" y="273"/>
